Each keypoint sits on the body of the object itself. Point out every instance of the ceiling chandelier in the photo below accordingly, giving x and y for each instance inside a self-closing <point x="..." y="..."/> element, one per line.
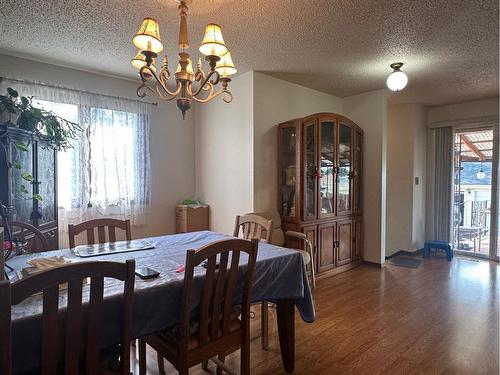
<point x="148" y="41"/>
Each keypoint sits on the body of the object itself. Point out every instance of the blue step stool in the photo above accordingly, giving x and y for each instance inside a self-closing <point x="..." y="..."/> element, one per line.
<point x="446" y="246"/>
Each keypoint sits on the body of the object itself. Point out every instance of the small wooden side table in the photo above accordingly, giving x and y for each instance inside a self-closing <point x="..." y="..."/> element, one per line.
<point x="191" y="218"/>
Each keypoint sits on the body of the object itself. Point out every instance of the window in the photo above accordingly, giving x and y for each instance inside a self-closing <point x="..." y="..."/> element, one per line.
<point x="106" y="173"/>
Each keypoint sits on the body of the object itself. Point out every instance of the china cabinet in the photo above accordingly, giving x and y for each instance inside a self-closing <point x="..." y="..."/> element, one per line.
<point x="319" y="180"/>
<point x="23" y="154"/>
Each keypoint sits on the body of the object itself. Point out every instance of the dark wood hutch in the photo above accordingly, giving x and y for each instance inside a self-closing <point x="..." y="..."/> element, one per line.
<point x="319" y="184"/>
<point x="40" y="162"/>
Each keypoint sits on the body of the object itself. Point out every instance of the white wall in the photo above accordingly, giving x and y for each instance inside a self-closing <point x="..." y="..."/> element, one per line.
<point x="277" y="101"/>
<point x="171" y="138"/>
<point x="420" y="171"/>
<point x="369" y="111"/>
<point x="406" y="157"/>
<point x="239" y="142"/>
<point x="462" y="111"/>
<point x="224" y="154"/>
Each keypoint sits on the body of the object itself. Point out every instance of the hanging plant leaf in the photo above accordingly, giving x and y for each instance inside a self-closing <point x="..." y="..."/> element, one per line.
<point x="38" y="197"/>
<point x="12" y="92"/>
<point x="16" y="165"/>
<point x="23" y="189"/>
<point x="27" y="177"/>
<point x="21" y="146"/>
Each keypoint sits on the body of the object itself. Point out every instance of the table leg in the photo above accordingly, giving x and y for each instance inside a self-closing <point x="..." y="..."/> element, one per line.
<point x="286" y="330"/>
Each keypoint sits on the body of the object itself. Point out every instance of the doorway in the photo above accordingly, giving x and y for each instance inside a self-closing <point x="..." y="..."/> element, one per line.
<point x="474" y="223"/>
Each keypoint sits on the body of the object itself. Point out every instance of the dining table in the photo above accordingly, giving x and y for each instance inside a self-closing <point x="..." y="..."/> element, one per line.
<point x="280" y="277"/>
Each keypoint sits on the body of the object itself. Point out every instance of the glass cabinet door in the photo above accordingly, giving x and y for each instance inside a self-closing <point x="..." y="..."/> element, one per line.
<point x="327" y="168"/>
<point x="288" y="170"/>
<point x="46" y="211"/>
<point x="22" y="188"/>
<point x="356" y="173"/>
<point x="311" y="172"/>
<point x="344" y="169"/>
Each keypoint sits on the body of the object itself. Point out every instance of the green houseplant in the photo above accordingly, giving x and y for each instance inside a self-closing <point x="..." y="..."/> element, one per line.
<point x="54" y="131"/>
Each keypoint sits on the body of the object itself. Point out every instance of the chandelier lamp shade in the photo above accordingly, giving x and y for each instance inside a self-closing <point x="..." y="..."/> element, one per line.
<point x="397" y="80"/>
<point x="188" y="84"/>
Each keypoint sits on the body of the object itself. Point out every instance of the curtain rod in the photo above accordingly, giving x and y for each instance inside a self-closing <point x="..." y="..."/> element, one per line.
<point x="75" y="90"/>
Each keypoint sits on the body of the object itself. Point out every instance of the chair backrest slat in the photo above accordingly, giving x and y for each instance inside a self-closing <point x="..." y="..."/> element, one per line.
<point x="73" y="330"/>
<point x="94" y="324"/>
<point x="48" y="283"/>
<point x="112" y="233"/>
<point x="253" y="226"/>
<point x="217" y="294"/>
<point x="206" y="299"/>
<point x="100" y="224"/>
<point x="231" y="282"/>
<point x="101" y="234"/>
<point x="90" y="236"/>
<point x="50" y="338"/>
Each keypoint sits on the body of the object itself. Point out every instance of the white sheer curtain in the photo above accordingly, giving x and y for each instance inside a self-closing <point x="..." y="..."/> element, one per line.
<point x="112" y="173"/>
<point x="107" y="172"/>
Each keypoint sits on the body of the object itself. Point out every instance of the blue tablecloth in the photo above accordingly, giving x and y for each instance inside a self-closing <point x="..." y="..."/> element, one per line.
<point x="280" y="274"/>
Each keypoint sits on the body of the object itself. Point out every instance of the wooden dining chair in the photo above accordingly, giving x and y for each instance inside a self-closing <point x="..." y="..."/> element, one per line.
<point x="26" y="235"/>
<point x="101" y="225"/>
<point x="216" y="330"/>
<point x="48" y="282"/>
<point x="253" y="226"/>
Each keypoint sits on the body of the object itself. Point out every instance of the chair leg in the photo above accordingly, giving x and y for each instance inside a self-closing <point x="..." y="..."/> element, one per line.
<point x="313" y="275"/>
<point x="142" y="357"/>
<point x="222" y="358"/>
<point x="264" y="325"/>
<point x="204" y="365"/>
<point x="245" y="358"/>
<point x="161" y="364"/>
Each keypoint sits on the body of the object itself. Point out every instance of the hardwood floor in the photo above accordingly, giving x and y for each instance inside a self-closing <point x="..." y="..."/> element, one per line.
<point x="441" y="318"/>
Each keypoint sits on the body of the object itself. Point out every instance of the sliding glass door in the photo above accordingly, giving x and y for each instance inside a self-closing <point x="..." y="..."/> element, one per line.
<point x="474" y="214"/>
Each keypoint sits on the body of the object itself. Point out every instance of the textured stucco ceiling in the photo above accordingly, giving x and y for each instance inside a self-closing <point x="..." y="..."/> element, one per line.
<point x="342" y="47"/>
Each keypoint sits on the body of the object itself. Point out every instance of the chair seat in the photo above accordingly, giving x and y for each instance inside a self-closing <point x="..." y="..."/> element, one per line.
<point x="166" y="344"/>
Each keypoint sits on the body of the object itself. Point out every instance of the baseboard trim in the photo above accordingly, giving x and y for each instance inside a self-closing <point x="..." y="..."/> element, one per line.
<point x="373" y="264"/>
<point x="340" y="269"/>
<point x="406" y="252"/>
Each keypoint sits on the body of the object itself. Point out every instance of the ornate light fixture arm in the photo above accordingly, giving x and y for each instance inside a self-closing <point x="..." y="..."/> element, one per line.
<point x="160" y="87"/>
<point x="207" y="83"/>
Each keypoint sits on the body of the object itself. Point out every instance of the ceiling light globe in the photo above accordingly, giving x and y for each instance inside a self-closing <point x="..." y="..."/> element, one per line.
<point x="397" y="81"/>
<point x="480" y="175"/>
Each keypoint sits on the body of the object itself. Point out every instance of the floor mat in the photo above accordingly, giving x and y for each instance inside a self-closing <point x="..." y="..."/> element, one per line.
<point x="405" y="261"/>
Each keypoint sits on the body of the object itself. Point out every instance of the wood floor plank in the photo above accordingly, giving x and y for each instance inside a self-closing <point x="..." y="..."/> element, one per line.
<point x="441" y="318"/>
